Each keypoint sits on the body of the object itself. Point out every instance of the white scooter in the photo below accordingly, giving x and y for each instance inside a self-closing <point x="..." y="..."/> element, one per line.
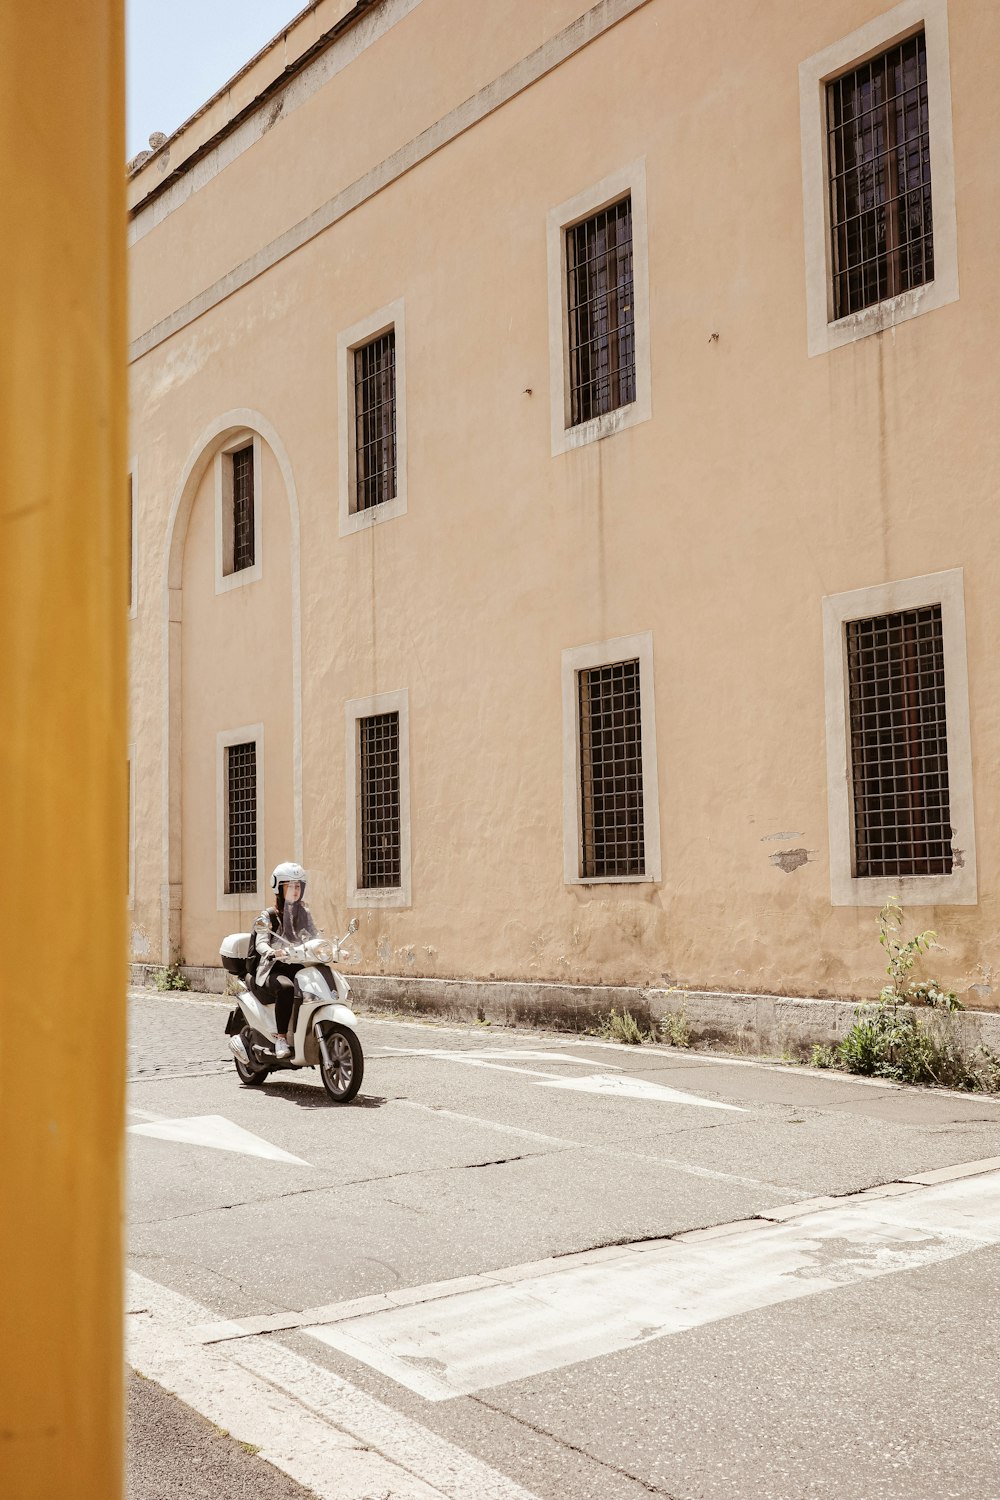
<point x="324" y="1025"/>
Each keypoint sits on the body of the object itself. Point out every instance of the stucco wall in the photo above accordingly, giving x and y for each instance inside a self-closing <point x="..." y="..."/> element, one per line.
<point x="763" y="481"/>
<point x="236" y="672"/>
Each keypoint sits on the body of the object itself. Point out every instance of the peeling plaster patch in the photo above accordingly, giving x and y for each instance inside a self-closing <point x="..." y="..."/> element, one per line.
<point x="779" y="838"/>
<point x="407" y="955"/>
<point x="789" y="859"/>
<point x="140" y="943"/>
<point x="958" y="858"/>
<point x="384" y="950"/>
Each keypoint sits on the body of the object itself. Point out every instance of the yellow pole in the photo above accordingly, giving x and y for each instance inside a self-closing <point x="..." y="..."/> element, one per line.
<point x="63" y="777"/>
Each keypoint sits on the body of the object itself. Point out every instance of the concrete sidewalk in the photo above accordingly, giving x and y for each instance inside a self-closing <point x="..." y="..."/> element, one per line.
<point x="174" y="1454"/>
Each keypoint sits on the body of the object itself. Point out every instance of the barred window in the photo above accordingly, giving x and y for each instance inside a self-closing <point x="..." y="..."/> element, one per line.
<point x="880" y="178"/>
<point x="241" y="818"/>
<point x="375" y="422"/>
<point x="601" y="310"/>
<point x="243" y="531"/>
<point x="611" y="771"/>
<point x="379" y="797"/>
<point x="899" y="744"/>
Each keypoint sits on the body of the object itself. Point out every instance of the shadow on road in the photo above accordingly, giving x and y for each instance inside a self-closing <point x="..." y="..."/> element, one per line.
<point x="308" y="1096"/>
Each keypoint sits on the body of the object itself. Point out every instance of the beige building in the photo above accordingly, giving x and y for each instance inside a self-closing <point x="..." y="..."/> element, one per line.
<point x="563" y="481"/>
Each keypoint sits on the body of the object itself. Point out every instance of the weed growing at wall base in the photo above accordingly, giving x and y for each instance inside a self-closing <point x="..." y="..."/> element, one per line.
<point x="623" y="1027"/>
<point x="674" y="1029"/>
<point x="171" y="978"/>
<point x="890" y="1038"/>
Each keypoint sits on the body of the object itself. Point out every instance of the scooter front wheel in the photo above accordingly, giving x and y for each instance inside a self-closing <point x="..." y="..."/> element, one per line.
<point x="342" y="1076"/>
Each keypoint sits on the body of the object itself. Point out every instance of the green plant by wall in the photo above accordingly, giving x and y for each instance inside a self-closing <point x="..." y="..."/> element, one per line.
<point x="903" y="988"/>
<point x="623" y="1027"/>
<point x="171" y="978"/>
<point x="674" y="1029"/>
<point x="908" y="1033"/>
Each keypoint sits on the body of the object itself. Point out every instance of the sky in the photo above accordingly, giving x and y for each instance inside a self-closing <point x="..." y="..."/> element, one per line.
<point x="179" y="52"/>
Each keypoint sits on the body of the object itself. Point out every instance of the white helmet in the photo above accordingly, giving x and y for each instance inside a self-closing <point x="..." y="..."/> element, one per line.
<point x="286" y="872"/>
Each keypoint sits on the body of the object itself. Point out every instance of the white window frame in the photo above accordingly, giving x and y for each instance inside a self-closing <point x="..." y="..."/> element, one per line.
<point x="366" y="708"/>
<point x="577" y="659"/>
<point x="237" y="900"/>
<point x="131" y="826"/>
<point x="960" y="887"/>
<point x="885" y="31"/>
<point x="386" y="319"/>
<point x="133" y="475"/>
<point x="628" y="180"/>
<point x="224" y="513"/>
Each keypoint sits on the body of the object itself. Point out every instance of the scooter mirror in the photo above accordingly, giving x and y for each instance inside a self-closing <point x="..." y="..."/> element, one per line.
<point x="352" y="925"/>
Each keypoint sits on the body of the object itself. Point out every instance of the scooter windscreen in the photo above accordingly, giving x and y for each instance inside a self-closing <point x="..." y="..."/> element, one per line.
<point x="310" y="927"/>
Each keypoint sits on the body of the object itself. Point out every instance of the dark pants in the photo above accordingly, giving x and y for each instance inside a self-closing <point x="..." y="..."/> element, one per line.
<point x="279" y="991"/>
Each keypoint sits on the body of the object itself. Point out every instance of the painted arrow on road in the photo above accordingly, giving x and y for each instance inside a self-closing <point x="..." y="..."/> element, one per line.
<point x="634" y="1088"/>
<point x="602" y="1083"/>
<point x="218" y="1133"/>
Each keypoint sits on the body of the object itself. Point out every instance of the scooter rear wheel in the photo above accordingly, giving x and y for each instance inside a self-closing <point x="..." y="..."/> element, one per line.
<point x="251" y="1076"/>
<point x="342" y="1078"/>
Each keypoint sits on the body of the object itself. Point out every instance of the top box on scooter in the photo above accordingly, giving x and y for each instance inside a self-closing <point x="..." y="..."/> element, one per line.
<point x="234" y="954"/>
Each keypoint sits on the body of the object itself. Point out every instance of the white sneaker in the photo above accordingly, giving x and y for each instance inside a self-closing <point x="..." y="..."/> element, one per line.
<point x="281" y="1048"/>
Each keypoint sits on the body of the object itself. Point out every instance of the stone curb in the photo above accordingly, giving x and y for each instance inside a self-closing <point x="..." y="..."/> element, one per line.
<point x="755" y="1025"/>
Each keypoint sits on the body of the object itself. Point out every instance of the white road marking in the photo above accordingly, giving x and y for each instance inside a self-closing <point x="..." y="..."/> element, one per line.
<point x="579" y="1310"/>
<point x="470" y="1059"/>
<point x="217" y="1132"/>
<point x="671" y="1163"/>
<point x="493" y="1054"/>
<point x="336" y="1440"/>
<point x="636" y="1088"/>
<point x="768" y="1065"/>
<point x="625" y="1087"/>
<point x="515" y="1130"/>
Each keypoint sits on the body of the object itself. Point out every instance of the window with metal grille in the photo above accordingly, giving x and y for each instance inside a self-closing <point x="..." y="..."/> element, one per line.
<point x="899" y="744"/>
<point x="243" y="537"/>
<point x="611" y="771"/>
<point x="375" y="422"/>
<point x="880" y="178"/>
<point x="601" y="309"/>
<point x="241" y="818"/>
<point x="379" y="795"/>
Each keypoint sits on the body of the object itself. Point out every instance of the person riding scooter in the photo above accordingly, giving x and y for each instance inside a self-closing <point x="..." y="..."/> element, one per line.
<point x="289" y="921"/>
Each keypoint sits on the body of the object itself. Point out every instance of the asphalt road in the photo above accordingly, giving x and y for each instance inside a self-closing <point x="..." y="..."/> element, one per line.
<point x="175" y="1454"/>
<point x="481" y="1280"/>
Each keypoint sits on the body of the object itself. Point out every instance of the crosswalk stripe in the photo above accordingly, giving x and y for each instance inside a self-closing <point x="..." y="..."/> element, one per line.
<point x="334" y="1439"/>
<point x="522" y="1326"/>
